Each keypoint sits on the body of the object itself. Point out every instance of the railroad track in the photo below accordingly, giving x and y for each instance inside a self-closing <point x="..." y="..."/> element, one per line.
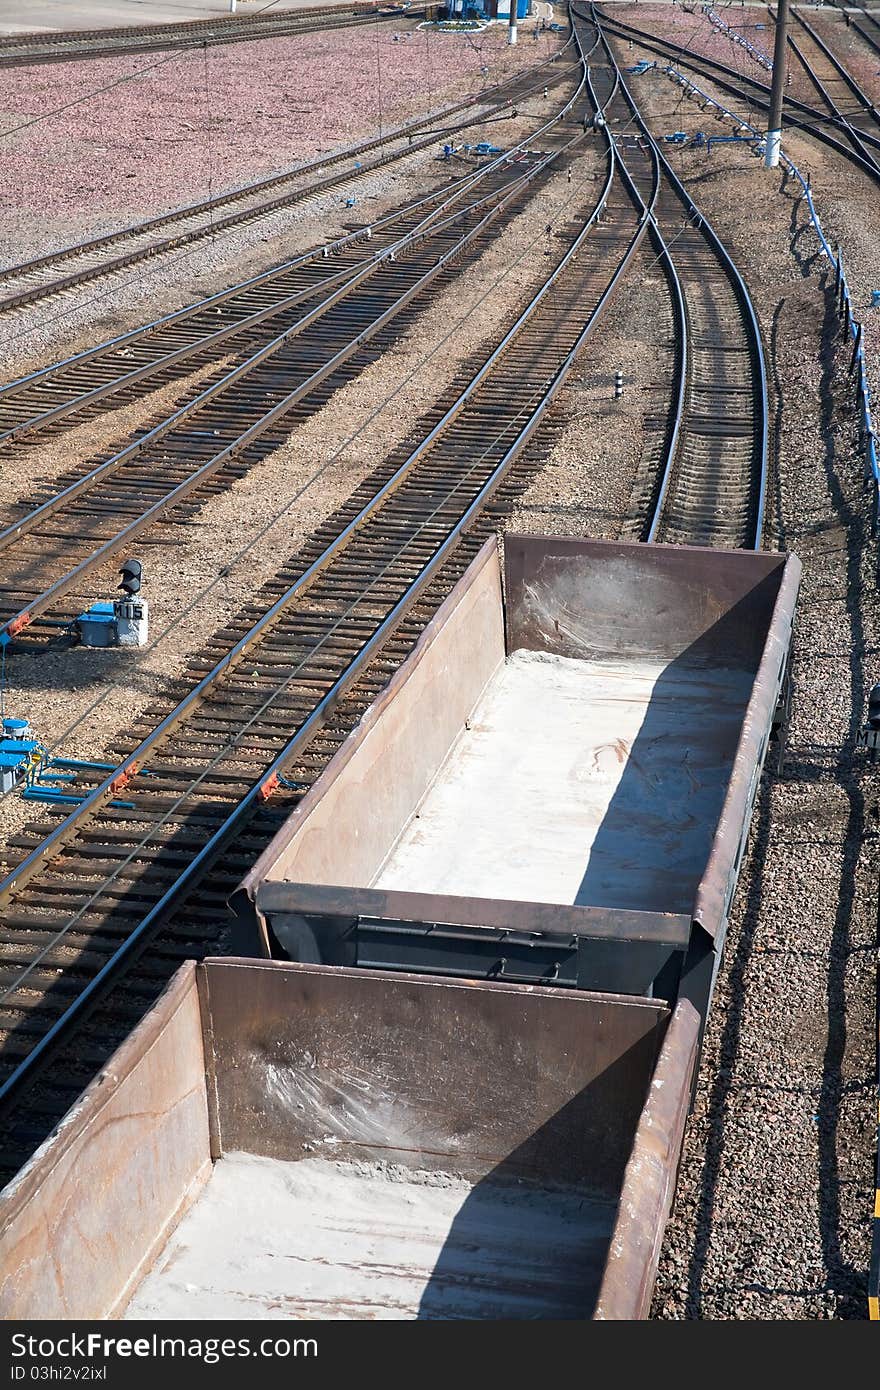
<point x="703" y="480"/>
<point x="71" y="267"/>
<point x="838" y="91"/>
<point x="77" y="44"/>
<point x="101" y="907"/>
<point x="321" y="329"/>
<point x="821" y="125"/>
<point x="868" y="29"/>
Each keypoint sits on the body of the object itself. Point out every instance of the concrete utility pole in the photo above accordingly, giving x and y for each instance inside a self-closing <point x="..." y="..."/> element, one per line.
<point x="511" y="28"/>
<point x="780" y="62"/>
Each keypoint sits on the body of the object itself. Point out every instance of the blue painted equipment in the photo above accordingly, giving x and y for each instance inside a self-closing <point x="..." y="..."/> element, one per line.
<point x="16" y="757"/>
<point x="97" y="627"/>
<point x="678" y="137"/>
<point x="644" y="66"/>
<point x="875" y="299"/>
<point x="121" y="622"/>
<point x="730" y="140"/>
<point x="52" y="797"/>
<point x="485" y="148"/>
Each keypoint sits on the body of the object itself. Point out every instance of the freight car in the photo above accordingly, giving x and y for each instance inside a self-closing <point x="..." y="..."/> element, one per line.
<point x="300" y="1141"/>
<point x="557" y="785"/>
<point x="463" y="1094"/>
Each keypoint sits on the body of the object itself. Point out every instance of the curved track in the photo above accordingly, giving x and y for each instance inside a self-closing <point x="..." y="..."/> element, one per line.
<point x="101" y="906"/>
<point x="709" y="482"/>
<point x="820" y="125"/>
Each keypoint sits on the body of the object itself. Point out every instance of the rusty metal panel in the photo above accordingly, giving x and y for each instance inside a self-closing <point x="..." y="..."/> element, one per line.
<point x="431" y="1073"/>
<point x="599" y="599"/>
<point x="697" y="608"/>
<point x="85" y="1217"/>
<point x="341" y="830"/>
<point x="651" y="1173"/>
<point x="717" y="886"/>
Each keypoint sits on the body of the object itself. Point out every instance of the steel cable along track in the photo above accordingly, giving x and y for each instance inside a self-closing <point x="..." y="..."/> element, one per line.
<point x="76" y="44"/>
<point x="820" y="125"/>
<point x="204" y="443"/>
<point x="838" y="91"/>
<point x="202" y="791"/>
<point x="32" y="281"/>
<point x="709" y="485"/>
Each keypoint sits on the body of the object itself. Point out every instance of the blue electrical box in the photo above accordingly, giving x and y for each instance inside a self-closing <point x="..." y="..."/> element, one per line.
<point x="15" y="754"/>
<point x="97" y="627"/>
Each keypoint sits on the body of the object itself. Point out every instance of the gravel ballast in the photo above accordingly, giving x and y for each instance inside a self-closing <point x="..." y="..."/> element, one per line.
<point x="92" y="146"/>
<point x="772" y="1219"/>
<point x="301" y="483"/>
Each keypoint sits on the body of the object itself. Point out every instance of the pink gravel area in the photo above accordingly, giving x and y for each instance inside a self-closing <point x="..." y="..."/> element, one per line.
<point x="215" y="118"/>
<point x="857" y="57"/>
<point x="695" y="31"/>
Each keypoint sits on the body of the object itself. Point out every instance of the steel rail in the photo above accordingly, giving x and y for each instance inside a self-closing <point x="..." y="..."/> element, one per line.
<point x="75" y="45"/>
<point x="703" y="225"/>
<point x="138" y="938"/>
<point x="871" y="40"/>
<point x="858" y="139"/>
<point x="213" y="228"/>
<point x="127" y="768"/>
<point x="17" y="622"/>
<point x="732" y="81"/>
<point x="220" y="297"/>
<point x="443" y="196"/>
<point x="21" y="619"/>
<point x="272" y="181"/>
<point x="679" y="312"/>
<point x="869" y="109"/>
<point x="346" y="282"/>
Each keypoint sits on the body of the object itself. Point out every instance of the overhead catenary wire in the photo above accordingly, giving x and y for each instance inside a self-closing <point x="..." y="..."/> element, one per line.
<point x="209" y="144"/>
<point x="425" y="524"/>
<point x="376" y="27"/>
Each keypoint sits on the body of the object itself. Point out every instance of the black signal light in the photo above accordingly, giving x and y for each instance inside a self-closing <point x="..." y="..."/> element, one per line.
<point x="131" y="574"/>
